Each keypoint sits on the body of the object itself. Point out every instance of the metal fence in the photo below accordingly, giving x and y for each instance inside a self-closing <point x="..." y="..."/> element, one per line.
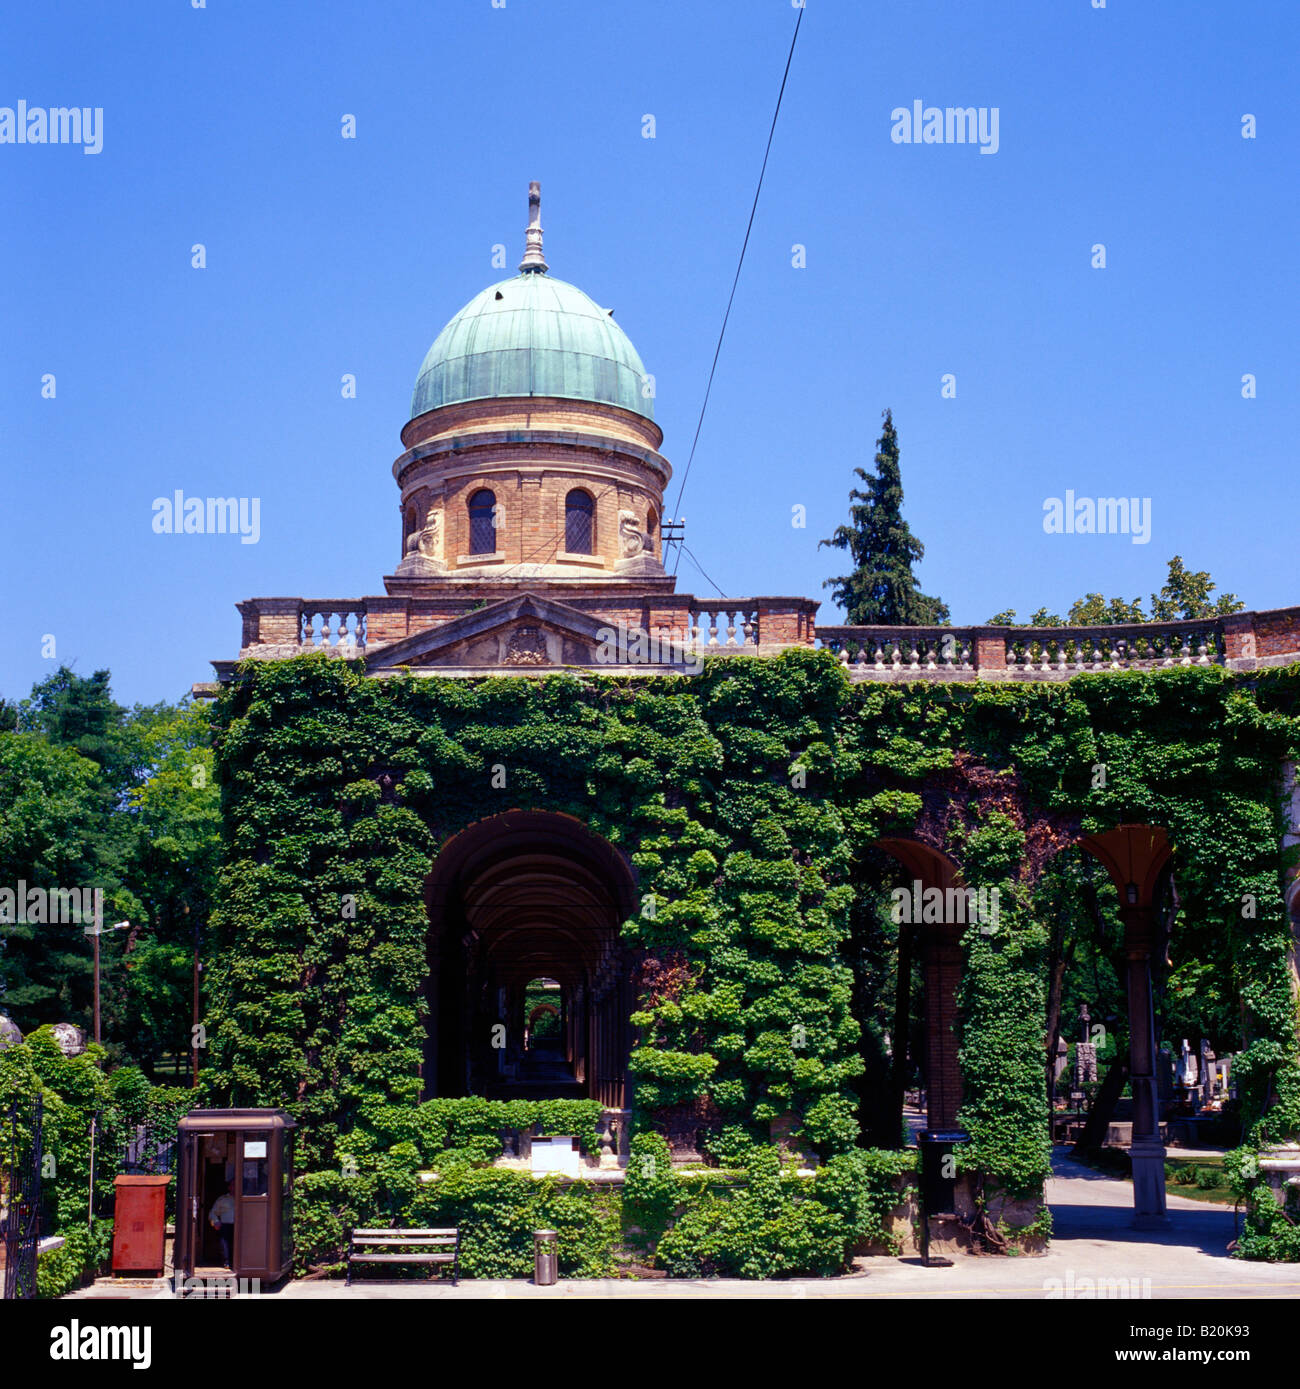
<point x="21" y="1213"/>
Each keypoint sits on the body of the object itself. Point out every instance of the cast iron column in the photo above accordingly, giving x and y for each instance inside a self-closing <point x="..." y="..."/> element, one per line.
<point x="1146" y="1151"/>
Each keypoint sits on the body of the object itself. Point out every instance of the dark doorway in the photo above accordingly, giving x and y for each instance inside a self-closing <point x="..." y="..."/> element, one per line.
<point x="529" y="985"/>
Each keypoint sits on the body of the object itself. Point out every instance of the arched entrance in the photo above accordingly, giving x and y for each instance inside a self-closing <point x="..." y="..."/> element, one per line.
<point x="936" y="938"/>
<point x="520" y="898"/>
<point x="1137" y="859"/>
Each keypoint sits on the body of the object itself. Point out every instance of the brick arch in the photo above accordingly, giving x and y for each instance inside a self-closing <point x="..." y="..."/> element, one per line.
<point x="1138" y="859"/>
<point x="1136" y="856"/>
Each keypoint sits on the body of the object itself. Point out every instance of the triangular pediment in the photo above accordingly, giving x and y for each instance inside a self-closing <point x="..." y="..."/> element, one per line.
<point x="527" y="633"/>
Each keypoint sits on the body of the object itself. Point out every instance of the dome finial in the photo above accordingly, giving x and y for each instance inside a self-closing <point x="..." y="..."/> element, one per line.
<point x="533" y="260"/>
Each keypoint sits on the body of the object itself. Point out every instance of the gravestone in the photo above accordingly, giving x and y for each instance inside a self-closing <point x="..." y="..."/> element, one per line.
<point x="1060" y="1060"/>
<point x="1208" y="1072"/>
<point x="1164" y="1077"/>
<point x="1187" y="1068"/>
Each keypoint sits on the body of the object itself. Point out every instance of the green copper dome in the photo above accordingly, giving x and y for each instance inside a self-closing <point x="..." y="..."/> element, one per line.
<point x="532" y="335"/>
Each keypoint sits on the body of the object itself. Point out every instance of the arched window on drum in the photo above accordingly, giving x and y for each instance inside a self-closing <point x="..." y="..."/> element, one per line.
<point x="482" y="523"/>
<point x="579" y="523"/>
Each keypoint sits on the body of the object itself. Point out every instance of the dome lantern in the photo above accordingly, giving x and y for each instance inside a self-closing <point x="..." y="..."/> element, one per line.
<point x="533" y="262"/>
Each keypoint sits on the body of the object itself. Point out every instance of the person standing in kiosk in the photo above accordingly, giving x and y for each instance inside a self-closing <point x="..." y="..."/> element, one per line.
<point x="222" y="1219"/>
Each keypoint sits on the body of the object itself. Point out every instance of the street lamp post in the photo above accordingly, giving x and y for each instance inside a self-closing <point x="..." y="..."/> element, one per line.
<point x="94" y="932"/>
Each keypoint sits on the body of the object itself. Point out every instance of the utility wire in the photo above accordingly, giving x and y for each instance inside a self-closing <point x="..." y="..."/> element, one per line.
<point x="700" y="567"/>
<point x="744" y="246"/>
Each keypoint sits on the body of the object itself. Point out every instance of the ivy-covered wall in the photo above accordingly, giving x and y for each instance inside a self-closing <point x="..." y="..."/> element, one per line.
<point x="746" y="799"/>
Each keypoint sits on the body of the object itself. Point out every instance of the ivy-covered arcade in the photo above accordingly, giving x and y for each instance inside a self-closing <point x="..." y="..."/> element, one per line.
<point x="533" y="780"/>
<point x="700" y="859"/>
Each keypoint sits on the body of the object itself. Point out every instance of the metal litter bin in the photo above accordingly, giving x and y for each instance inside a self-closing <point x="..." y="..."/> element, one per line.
<point x="938" y="1184"/>
<point x="546" y="1258"/>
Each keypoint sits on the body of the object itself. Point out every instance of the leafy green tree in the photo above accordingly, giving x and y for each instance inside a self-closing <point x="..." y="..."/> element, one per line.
<point x="1184" y="597"/>
<point x="95" y="795"/>
<point x="175" y="815"/>
<point x="882" y="587"/>
<point x="1092" y="610"/>
<point x="78" y="712"/>
<point x="47" y="837"/>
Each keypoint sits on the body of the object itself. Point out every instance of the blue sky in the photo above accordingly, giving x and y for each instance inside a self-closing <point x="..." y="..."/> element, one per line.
<point x="328" y="256"/>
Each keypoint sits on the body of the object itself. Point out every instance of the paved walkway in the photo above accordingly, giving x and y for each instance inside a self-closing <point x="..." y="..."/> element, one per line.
<point x="1094" y="1253"/>
<point x="1092" y="1241"/>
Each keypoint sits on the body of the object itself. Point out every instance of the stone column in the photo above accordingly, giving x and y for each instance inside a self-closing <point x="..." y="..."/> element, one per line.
<point x="1146" y="1151"/>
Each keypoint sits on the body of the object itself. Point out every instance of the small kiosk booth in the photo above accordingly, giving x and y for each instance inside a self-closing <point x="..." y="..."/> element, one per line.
<point x="242" y="1159"/>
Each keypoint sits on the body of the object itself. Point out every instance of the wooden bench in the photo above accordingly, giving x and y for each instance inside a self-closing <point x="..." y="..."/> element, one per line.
<point x="405" y="1247"/>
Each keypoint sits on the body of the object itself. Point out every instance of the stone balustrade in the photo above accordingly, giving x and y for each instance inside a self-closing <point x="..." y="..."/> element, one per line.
<point x="1239" y="641"/>
<point x="898" y="651"/>
<point x="727" y="627"/>
<point x="333" y="623"/>
<point x="279" y="627"/>
<point x="274" y="628"/>
<point x="1133" y="646"/>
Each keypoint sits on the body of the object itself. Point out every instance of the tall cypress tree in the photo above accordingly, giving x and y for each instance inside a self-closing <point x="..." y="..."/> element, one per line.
<point x="882" y="588"/>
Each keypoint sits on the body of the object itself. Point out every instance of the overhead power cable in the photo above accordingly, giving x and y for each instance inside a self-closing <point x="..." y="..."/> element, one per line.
<point x="739" y="264"/>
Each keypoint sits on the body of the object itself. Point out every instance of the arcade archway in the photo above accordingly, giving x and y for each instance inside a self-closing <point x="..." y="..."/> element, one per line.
<point x="515" y="899"/>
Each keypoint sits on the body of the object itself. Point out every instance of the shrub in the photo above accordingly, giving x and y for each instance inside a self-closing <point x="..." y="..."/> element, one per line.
<point x="770" y="1228"/>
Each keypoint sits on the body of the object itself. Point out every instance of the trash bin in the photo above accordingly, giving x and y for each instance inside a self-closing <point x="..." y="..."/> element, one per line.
<point x="546" y="1258"/>
<point x="938" y="1184"/>
<point x="139" y="1224"/>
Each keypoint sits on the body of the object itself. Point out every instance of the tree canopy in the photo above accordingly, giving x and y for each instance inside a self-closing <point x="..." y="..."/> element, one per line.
<point x="1185" y="596"/>
<point x="97" y="796"/>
